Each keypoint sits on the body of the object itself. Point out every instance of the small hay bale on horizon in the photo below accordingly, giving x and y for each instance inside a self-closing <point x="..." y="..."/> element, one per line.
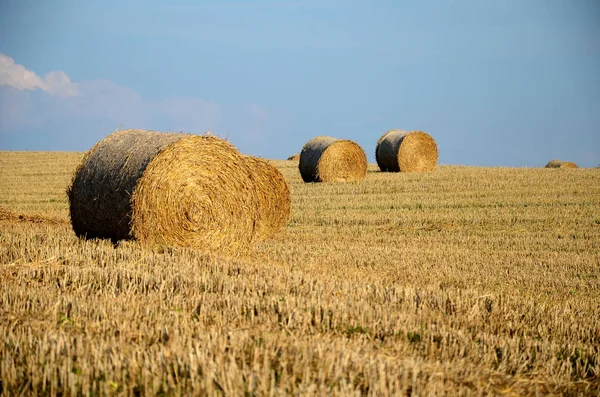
<point x="568" y="164"/>
<point x="162" y="188"/>
<point x="561" y="164"/>
<point x="553" y="164"/>
<point x="294" y="157"/>
<point x="406" y="151"/>
<point x="327" y="159"/>
<point x="274" y="198"/>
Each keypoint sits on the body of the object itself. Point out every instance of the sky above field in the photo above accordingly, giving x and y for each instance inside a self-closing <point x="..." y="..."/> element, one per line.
<point x="506" y="83"/>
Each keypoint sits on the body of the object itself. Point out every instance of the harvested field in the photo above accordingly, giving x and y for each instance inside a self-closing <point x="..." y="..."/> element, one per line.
<point x="465" y="281"/>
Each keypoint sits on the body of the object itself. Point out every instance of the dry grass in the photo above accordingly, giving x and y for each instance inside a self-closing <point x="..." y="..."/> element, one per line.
<point x="466" y="281"/>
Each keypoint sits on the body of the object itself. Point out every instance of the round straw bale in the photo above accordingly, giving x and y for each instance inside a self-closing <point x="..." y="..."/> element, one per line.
<point x="273" y="194"/>
<point x="561" y="164"/>
<point x="568" y="164"/>
<point x="402" y="151"/>
<point x="99" y="195"/>
<point x="294" y="157"/>
<point x="381" y="139"/>
<point x="554" y="164"/>
<point x="327" y="159"/>
<point x="174" y="189"/>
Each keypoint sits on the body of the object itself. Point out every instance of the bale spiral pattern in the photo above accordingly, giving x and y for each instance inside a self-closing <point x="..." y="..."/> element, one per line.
<point x="273" y="194"/>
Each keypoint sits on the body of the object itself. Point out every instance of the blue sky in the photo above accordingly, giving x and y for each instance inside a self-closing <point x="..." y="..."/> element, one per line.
<point x="496" y="83"/>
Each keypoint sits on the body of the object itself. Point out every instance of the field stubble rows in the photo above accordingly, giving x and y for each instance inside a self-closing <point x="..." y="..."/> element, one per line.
<point x="461" y="281"/>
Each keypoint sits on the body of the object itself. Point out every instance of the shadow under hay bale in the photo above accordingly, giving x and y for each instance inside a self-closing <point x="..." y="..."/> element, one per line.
<point x="406" y="151"/>
<point x="274" y="198"/>
<point x="159" y="188"/>
<point x="561" y="164"/>
<point x="327" y="159"/>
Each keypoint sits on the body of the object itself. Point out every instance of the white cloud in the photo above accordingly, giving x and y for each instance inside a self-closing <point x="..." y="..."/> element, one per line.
<point x="56" y="113"/>
<point x="58" y="83"/>
<point x="28" y="101"/>
<point x="17" y="76"/>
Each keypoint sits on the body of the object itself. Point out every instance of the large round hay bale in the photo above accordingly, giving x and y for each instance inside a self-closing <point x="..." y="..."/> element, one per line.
<point x="327" y="159"/>
<point x="406" y="151"/>
<point x="561" y="164"/>
<point x="174" y="189"/>
<point x="273" y="194"/>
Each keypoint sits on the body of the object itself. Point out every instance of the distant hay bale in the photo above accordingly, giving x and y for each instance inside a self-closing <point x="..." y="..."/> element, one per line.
<point x="561" y="164"/>
<point x="381" y="139"/>
<point x="568" y="164"/>
<point x="406" y="151"/>
<point x="554" y="164"/>
<point x="327" y="159"/>
<point x="274" y="199"/>
<point x="158" y="188"/>
<point x="294" y="157"/>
